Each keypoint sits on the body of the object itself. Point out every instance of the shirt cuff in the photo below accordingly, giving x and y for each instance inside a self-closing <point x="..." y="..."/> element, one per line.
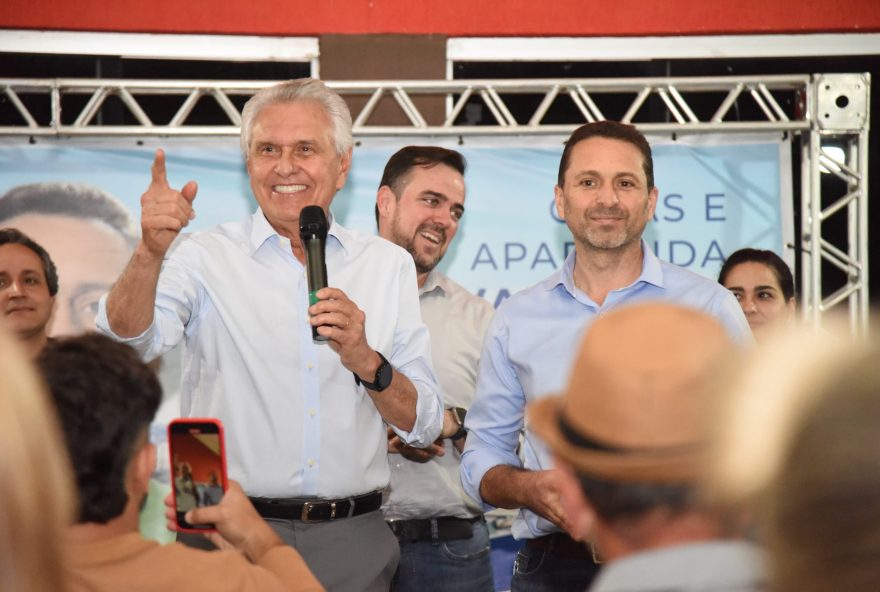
<point x="476" y="461"/>
<point x="141" y="343"/>
<point x="429" y="417"/>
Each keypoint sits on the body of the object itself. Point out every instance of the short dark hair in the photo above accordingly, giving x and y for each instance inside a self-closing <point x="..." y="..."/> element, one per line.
<point x="77" y="200"/>
<point x="13" y="236"/>
<point x="618" y="500"/>
<point x="106" y="398"/>
<point x="780" y="270"/>
<point x="404" y="160"/>
<point x="615" y="131"/>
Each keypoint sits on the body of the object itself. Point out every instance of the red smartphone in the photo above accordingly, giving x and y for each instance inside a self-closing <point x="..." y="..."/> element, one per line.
<point x="198" y="464"/>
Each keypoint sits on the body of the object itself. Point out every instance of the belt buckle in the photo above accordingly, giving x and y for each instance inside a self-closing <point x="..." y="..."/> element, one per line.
<point x="305" y="516"/>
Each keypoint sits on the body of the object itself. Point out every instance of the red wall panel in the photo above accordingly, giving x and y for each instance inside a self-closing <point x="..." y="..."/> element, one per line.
<point x="450" y="17"/>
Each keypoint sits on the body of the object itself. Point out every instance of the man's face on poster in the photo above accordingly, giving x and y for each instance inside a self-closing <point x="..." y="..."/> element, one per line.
<point x="89" y="256"/>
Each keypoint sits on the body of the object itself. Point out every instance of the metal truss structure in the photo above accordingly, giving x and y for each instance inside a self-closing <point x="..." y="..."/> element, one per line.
<point x="829" y="112"/>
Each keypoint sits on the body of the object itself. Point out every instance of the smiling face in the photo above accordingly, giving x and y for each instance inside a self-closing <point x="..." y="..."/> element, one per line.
<point x="605" y="200"/>
<point x="89" y="256"/>
<point x="24" y="294"/>
<point x="424" y="218"/>
<point x="292" y="163"/>
<point x="759" y="294"/>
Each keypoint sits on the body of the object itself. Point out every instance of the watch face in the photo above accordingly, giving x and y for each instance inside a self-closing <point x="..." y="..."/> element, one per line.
<point x="384" y="374"/>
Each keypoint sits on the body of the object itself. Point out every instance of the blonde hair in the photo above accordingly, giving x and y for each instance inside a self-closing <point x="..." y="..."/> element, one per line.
<point x="796" y="445"/>
<point x="36" y="488"/>
<point x="823" y="507"/>
<point x="761" y="398"/>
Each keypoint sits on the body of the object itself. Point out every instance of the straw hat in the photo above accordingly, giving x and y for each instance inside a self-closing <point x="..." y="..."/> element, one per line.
<point x="634" y="406"/>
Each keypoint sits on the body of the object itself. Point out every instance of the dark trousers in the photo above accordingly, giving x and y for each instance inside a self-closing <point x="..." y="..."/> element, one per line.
<point x="555" y="564"/>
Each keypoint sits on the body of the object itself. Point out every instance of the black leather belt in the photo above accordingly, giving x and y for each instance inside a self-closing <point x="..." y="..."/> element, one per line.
<point x="445" y="528"/>
<point x="317" y="510"/>
<point x="562" y="545"/>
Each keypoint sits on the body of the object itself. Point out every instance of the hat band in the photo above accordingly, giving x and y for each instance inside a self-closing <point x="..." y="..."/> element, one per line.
<point x="577" y="439"/>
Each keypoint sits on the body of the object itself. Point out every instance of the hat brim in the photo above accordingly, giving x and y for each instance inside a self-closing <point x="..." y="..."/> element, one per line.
<point x="681" y="465"/>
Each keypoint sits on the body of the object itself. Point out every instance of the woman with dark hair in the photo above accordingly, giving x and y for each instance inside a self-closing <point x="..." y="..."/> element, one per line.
<point x="764" y="286"/>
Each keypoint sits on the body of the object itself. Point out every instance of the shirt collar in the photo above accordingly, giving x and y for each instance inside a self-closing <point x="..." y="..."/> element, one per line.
<point x="563" y="276"/>
<point x="652" y="271"/>
<point x="261" y="231"/>
<point x="435" y="281"/>
<point x="342" y="235"/>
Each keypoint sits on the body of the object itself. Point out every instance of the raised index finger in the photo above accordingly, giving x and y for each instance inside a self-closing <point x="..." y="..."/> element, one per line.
<point x="158" y="170"/>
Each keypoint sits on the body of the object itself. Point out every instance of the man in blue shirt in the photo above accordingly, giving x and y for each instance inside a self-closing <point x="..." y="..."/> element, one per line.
<point x="606" y="195"/>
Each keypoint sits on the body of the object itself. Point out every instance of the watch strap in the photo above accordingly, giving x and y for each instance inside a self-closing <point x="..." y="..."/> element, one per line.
<point x="382" y="380"/>
<point x="459" y="414"/>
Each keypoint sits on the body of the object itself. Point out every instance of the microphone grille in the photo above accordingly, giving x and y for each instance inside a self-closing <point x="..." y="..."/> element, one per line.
<point x="313" y="222"/>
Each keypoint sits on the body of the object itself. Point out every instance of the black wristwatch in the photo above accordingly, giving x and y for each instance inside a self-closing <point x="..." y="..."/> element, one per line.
<point x="384" y="374"/>
<point x="459" y="414"/>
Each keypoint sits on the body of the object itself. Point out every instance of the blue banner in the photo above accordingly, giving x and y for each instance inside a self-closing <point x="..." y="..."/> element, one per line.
<point x="717" y="194"/>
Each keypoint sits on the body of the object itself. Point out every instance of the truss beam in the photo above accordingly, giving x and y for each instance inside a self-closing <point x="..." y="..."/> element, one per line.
<point x="825" y="110"/>
<point x="676" y="96"/>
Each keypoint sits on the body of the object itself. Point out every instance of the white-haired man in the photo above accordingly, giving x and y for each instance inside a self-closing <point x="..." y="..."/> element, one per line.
<point x="305" y="421"/>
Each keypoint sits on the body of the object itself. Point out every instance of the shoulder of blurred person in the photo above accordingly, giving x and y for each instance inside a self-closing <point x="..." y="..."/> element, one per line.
<point x="128" y="562"/>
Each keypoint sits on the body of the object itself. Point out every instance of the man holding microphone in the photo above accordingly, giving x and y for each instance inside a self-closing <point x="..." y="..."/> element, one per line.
<point x="305" y="419"/>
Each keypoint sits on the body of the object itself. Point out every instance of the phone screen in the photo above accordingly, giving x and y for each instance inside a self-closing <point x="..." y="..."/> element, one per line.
<point x="199" y="470"/>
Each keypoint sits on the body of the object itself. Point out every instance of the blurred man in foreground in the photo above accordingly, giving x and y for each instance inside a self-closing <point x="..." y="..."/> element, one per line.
<point x="629" y="435"/>
<point x="106" y="398"/>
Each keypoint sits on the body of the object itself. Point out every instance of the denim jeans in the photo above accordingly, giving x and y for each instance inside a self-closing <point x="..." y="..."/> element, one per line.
<point x="540" y="570"/>
<point x="460" y="566"/>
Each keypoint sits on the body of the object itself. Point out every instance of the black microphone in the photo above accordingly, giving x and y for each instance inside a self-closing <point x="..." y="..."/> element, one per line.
<point x="313" y="232"/>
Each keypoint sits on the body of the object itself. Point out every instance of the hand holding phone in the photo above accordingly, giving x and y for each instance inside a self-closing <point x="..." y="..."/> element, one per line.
<point x="198" y="462"/>
<point x="238" y="525"/>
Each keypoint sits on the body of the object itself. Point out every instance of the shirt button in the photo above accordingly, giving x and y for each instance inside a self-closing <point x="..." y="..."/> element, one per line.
<point x="311" y="462"/>
<point x="310" y="365"/>
<point x="312" y="412"/>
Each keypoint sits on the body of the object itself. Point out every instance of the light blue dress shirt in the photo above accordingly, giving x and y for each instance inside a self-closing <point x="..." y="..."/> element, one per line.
<point x="296" y="423"/>
<point x="528" y="351"/>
